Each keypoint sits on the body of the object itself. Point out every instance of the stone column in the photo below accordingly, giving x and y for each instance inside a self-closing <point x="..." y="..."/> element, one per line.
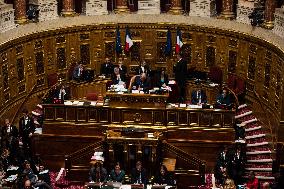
<point x="20" y="11"/>
<point x="121" y="7"/>
<point x="176" y="7"/>
<point x="227" y="9"/>
<point x="68" y="8"/>
<point x="269" y="11"/>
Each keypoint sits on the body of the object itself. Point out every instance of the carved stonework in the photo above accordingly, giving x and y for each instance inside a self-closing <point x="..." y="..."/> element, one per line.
<point x="6" y="17"/>
<point x="96" y="7"/>
<point x="202" y="8"/>
<point x="47" y="9"/>
<point x="279" y="22"/>
<point x="148" y="7"/>
<point x="244" y="9"/>
<point x="20" y="69"/>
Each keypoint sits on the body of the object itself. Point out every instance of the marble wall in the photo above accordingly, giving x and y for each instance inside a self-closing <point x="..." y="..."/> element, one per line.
<point x="202" y="8"/>
<point x="47" y="9"/>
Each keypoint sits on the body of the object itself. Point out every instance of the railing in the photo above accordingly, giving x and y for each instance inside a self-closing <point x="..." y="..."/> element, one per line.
<point x="88" y="150"/>
<point x="23" y="102"/>
<point x="235" y="96"/>
<point x="187" y="157"/>
<point x="262" y="105"/>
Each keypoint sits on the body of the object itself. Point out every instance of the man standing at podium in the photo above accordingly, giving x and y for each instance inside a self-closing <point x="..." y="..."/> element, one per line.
<point x="180" y="70"/>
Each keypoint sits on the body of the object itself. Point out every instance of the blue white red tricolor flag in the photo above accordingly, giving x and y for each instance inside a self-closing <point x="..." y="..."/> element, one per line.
<point x="179" y="42"/>
<point x="128" y="41"/>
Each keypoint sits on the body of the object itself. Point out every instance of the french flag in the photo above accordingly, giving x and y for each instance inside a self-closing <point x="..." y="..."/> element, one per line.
<point x="179" y="42"/>
<point x="128" y="41"/>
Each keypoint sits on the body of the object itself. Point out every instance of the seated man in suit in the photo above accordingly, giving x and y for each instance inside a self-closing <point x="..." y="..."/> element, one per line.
<point x="122" y="68"/>
<point x="143" y="68"/>
<point x="138" y="174"/>
<point x="140" y="82"/>
<point x="78" y="72"/>
<point x="198" y="97"/>
<point x="224" y="98"/>
<point x="62" y="93"/>
<point x="107" y="68"/>
<point x="117" y="78"/>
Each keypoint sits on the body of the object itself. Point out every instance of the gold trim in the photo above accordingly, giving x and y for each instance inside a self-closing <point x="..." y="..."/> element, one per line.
<point x="21" y="20"/>
<point x="68" y="13"/>
<point x="268" y="25"/>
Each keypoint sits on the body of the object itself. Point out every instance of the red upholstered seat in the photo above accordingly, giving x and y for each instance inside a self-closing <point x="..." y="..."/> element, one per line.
<point x="92" y="96"/>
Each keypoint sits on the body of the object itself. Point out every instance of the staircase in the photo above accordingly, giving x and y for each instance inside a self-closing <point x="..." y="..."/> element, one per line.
<point x="259" y="146"/>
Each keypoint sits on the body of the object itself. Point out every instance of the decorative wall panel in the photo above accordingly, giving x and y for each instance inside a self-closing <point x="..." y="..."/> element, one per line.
<point x="232" y="61"/>
<point x="267" y="74"/>
<point x="251" y="67"/>
<point x="210" y="56"/>
<point x="85" y="54"/>
<point x="20" y="69"/>
<point x="5" y="76"/>
<point x="61" y="58"/>
<point x="39" y="63"/>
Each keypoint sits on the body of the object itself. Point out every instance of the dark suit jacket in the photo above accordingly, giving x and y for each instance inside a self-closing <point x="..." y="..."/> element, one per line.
<point x="135" y="176"/>
<point x="107" y="69"/>
<point x="26" y="129"/>
<point x="195" y="98"/>
<point x="66" y="96"/>
<point x="146" y="70"/>
<point x="180" y="70"/>
<point x="9" y="137"/>
<point x="76" y="74"/>
<point x="164" y="179"/>
<point x="122" y="70"/>
<point x="146" y="85"/>
<point x="224" y="100"/>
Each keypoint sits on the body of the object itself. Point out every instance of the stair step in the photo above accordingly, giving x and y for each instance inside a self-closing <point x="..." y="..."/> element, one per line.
<point x="260" y="161"/>
<point x="257" y="144"/>
<point x="243" y="114"/>
<point x="258" y="169"/>
<point x="253" y="128"/>
<point x="242" y="106"/>
<point x="255" y="136"/>
<point x="258" y="152"/>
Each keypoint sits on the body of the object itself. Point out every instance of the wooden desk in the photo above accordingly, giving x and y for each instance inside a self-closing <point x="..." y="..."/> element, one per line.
<point x="211" y="91"/>
<point x="130" y="100"/>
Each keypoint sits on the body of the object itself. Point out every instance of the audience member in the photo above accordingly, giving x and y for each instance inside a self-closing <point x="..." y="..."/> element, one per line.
<point x="117" y="174"/>
<point x="229" y="184"/>
<point x="180" y="70"/>
<point x="222" y="163"/>
<point x="26" y="129"/>
<point x="198" y="97"/>
<point x="266" y="185"/>
<point x="238" y="165"/>
<point x="252" y="182"/>
<point x="98" y="173"/>
<point x="140" y="82"/>
<point x="163" y="177"/>
<point x="9" y="138"/>
<point x="107" y="68"/>
<point x="28" y="184"/>
<point x="138" y="174"/>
